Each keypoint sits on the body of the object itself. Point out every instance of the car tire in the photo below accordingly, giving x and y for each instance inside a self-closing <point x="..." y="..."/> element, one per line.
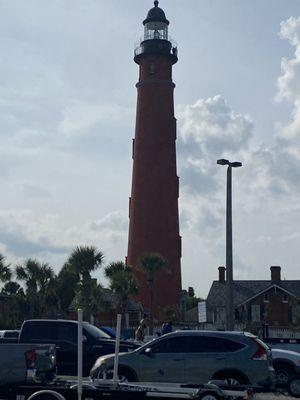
<point x="124" y="375"/>
<point x="232" y="378"/>
<point x="294" y="386"/>
<point x="282" y="377"/>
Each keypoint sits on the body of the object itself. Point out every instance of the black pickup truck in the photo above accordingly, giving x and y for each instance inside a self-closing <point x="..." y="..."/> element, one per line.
<point x="63" y="333"/>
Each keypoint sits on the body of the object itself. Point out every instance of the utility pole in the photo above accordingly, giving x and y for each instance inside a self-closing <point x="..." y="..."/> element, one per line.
<point x="229" y="257"/>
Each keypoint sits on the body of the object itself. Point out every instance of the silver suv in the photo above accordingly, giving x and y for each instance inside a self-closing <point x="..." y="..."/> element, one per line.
<point x="195" y="357"/>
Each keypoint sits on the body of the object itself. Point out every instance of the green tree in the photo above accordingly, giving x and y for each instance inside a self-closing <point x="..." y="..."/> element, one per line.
<point x="39" y="281"/>
<point x="12" y="288"/>
<point x="122" y="283"/>
<point x="5" y="272"/>
<point x="191" y="300"/>
<point x="18" y="306"/>
<point x="46" y="291"/>
<point x="151" y="264"/>
<point x="66" y="288"/>
<point x="84" y="260"/>
<point x="97" y="303"/>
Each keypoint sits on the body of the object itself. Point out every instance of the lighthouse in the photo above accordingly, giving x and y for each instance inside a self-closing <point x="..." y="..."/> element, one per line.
<point x="153" y="205"/>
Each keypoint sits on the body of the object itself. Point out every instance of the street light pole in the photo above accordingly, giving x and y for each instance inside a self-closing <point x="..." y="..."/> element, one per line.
<point x="229" y="257"/>
<point x="229" y="266"/>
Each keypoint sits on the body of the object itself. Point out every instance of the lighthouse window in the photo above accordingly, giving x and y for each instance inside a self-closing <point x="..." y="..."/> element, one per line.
<point x="152" y="69"/>
<point x="156" y="30"/>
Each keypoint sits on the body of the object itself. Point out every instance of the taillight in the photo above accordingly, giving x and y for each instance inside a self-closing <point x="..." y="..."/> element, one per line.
<point x="30" y="357"/>
<point x="260" y="354"/>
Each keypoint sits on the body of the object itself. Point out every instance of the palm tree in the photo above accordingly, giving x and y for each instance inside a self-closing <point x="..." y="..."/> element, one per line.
<point x="97" y="303"/>
<point x="66" y="285"/>
<point x="38" y="278"/>
<point x="122" y="283"/>
<point x="5" y="272"/>
<point x="17" y="303"/>
<point x="46" y="288"/>
<point x="150" y="264"/>
<point x="84" y="260"/>
<point x="12" y="288"/>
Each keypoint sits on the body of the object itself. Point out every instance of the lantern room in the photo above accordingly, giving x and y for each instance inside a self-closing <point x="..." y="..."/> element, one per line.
<point x="156" y="24"/>
<point x="156" y="39"/>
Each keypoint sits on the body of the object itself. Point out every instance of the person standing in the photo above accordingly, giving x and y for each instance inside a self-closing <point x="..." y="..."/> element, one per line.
<point x="141" y="329"/>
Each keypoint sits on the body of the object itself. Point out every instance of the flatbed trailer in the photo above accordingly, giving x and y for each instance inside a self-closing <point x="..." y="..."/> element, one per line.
<point x="67" y="390"/>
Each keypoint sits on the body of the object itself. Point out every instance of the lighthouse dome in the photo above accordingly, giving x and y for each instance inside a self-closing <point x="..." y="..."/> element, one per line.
<point x="156" y="14"/>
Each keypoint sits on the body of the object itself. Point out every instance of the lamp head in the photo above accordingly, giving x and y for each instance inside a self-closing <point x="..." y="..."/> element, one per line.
<point x="222" y="161"/>
<point x="236" y="164"/>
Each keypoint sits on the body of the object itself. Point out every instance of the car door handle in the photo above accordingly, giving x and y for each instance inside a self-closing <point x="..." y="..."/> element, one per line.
<point x="178" y="359"/>
<point x="220" y="358"/>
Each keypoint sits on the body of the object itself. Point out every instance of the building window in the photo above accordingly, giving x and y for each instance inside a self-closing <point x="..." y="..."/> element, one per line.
<point x="152" y="69"/>
<point x="266" y="298"/>
<point x="255" y="312"/>
<point x="285" y="298"/>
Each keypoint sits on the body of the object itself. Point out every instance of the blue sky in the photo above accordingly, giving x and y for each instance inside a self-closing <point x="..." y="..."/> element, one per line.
<point x="67" y="113"/>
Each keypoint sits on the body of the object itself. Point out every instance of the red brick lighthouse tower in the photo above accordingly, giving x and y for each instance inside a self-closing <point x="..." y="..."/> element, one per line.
<point x="153" y="209"/>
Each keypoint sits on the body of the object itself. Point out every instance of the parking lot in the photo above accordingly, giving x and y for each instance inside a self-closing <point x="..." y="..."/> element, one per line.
<point x="270" y="396"/>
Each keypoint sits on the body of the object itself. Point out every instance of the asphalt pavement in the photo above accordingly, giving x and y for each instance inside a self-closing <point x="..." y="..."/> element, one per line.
<point x="273" y="396"/>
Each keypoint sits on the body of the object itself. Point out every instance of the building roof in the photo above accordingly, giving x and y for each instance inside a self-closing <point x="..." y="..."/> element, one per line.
<point x="245" y="290"/>
<point x="156" y="14"/>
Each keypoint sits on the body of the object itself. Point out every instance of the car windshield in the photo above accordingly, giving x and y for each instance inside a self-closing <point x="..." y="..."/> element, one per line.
<point x="95" y="332"/>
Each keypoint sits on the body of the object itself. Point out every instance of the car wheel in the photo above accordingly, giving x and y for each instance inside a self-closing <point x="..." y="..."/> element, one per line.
<point x="124" y="375"/>
<point x="294" y="386"/>
<point x="233" y="378"/>
<point x="282" y="377"/>
<point x="209" y="396"/>
<point x="232" y="381"/>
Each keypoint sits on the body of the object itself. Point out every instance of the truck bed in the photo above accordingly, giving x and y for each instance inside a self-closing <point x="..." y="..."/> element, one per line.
<point x="15" y="369"/>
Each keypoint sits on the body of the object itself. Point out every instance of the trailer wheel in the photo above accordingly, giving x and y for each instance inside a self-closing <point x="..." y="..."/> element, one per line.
<point x="209" y="396"/>
<point x="294" y="386"/>
<point x="46" y="395"/>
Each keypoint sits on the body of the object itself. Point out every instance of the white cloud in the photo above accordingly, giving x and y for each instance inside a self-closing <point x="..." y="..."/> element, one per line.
<point x="214" y="126"/>
<point x="208" y="130"/>
<point x="67" y="104"/>
<point x="32" y="190"/>
<point x="79" y="117"/>
<point x="289" y="81"/>
<point x="115" y="221"/>
<point x="266" y="190"/>
<point x="24" y="233"/>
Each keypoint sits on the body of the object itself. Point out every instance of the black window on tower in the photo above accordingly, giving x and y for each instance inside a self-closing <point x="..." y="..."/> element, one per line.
<point x="152" y="69"/>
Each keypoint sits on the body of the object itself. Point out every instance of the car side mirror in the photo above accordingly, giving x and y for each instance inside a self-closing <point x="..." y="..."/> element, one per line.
<point x="148" y="352"/>
<point x="84" y="339"/>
